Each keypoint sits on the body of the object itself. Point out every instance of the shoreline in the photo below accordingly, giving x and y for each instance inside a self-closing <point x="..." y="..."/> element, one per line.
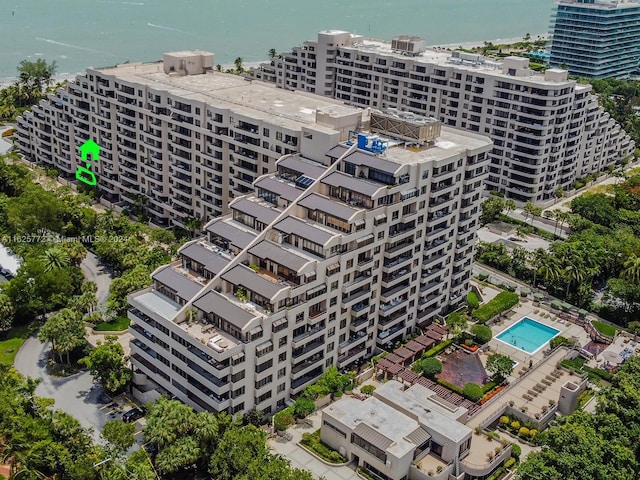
<point x="6" y="81"/>
<point x="497" y="41"/>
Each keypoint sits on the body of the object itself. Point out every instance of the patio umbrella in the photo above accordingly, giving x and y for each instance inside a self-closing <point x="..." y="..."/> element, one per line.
<point x="612" y="357"/>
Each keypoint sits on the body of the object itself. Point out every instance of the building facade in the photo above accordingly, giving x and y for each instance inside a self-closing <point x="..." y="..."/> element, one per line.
<point x="596" y="38"/>
<point x="178" y="140"/>
<point x="325" y="263"/>
<point x="547" y="130"/>
<point x="409" y="434"/>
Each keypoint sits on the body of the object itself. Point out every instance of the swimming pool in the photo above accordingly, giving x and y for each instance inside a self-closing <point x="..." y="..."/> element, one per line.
<point x="527" y="335"/>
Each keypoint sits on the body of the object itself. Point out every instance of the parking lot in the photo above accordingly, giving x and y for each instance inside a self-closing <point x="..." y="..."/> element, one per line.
<point x="118" y="407"/>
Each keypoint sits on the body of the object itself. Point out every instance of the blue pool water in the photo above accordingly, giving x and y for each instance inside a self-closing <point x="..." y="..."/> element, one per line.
<point x="528" y="335"/>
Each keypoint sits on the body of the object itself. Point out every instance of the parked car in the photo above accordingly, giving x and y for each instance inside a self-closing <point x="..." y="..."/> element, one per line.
<point x="133" y="415"/>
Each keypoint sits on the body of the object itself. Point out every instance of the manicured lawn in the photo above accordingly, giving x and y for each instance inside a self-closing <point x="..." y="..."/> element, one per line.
<point x="11" y="343"/>
<point x="117" y="325"/>
<point x="605" y="328"/>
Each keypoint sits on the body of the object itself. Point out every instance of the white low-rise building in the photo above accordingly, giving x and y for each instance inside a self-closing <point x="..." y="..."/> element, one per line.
<point x="403" y="434"/>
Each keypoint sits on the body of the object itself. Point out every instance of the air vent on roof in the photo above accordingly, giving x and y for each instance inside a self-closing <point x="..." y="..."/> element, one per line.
<point x="304" y="182"/>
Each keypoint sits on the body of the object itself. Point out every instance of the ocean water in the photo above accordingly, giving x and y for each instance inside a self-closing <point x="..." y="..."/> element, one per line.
<point x="81" y="33"/>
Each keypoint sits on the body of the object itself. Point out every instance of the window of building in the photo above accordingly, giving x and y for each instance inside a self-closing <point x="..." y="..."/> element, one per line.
<point x="369" y="447"/>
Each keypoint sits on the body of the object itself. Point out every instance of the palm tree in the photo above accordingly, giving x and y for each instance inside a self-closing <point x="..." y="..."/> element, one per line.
<point x="193" y="224"/>
<point x="272" y="53"/>
<point x="537" y="259"/>
<point x="76" y="251"/>
<point x="549" y="269"/>
<point x="54" y="258"/>
<point x="239" y="67"/>
<point x="574" y="271"/>
<point x="631" y="271"/>
<point x="509" y="205"/>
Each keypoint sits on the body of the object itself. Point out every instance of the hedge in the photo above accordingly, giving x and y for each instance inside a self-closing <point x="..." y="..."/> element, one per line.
<point x="472" y="391"/>
<point x="438" y="348"/>
<point x="502" y="302"/>
<point x="450" y="386"/>
<point x="312" y="442"/>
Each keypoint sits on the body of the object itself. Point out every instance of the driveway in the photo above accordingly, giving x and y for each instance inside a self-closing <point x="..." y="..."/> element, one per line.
<point x="94" y="271"/>
<point x="76" y="395"/>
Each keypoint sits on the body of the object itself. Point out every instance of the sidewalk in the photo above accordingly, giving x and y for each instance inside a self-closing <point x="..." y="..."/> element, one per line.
<point x="300" y="458"/>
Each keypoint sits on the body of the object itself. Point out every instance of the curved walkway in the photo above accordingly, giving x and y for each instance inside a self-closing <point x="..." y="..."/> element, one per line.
<point x="300" y="458"/>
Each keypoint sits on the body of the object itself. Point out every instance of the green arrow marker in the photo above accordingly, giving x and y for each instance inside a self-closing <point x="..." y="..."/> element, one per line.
<point x="90" y="147"/>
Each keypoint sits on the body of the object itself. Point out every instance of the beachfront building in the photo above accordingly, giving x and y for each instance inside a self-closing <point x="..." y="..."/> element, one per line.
<point x="400" y="434"/>
<point x="326" y="262"/>
<point x="547" y="130"/>
<point x="596" y="38"/>
<point x="178" y="140"/>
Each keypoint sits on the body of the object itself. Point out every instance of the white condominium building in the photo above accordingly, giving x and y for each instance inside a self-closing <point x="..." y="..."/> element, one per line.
<point x="547" y="130"/>
<point x="325" y="263"/>
<point x="178" y="140"/>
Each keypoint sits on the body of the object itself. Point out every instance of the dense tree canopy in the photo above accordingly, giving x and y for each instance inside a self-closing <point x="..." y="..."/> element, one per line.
<point x="599" y="446"/>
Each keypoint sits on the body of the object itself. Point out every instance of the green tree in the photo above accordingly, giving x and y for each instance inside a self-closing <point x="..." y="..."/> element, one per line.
<point x="166" y="421"/>
<point x="119" y="435"/>
<point x="481" y="333"/>
<point x="239" y="66"/>
<point x="303" y="406"/>
<point x="456" y="323"/>
<point x="272" y="53"/>
<point x="429" y="367"/>
<point x="253" y="417"/>
<point x="472" y="391"/>
<point x="36" y="74"/>
<point x="64" y="330"/>
<point x="509" y="205"/>
<point x="107" y="364"/>
<point x="500" y="366"/>
<point x="631" y="270"/>
<point x="491" y="208"/>
<point x="7" y="311"/>
<point x="537" y="259"/>
<point x="193" y="224"/>
<point x="238" y="449"/>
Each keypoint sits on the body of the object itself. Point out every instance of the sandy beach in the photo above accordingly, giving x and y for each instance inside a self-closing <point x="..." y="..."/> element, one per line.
<point x="497" y="41"/>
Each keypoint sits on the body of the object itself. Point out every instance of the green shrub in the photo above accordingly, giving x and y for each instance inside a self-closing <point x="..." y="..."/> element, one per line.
<point x="487" y="387"/>
<point x="559" y="340"/>
<point x="367" y="389"/>
<point x="472" y="300"/>
<point x="533" y="432"/>
<point x="303" y="406"/>
<point x="523" y="432"/>
<point x="429" y="367"/>
<point x="481" y="333"/>
<point x="502" y="302"/>
<point x="437" y="349"/>
<point x="312" y="442"/>
<point x="472" y="391"/>
<point x="283" y="420"/>
<point x="504" y="420"/>
<point x="483" y="277"/>
<point x="450" y="386"/>
<point x="117" y="325"/>
<point x="515" y="425"/>
<point x="516" y="451"/>
<point x="509" y="463"/>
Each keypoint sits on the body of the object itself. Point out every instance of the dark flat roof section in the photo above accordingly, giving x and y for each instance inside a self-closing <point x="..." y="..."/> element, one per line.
<point x="212" y="302"/>
<point x="260" y="212"/>
<point x="304" y="230"/>
<point x="184" y="287"/>
<point x="233" y="235"/>
<point x="211" y="260"/>
<point x="324" y="204"/>
<point x="275" y="253"/>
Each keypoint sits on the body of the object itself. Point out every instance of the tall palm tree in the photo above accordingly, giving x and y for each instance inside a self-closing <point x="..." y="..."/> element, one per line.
<point x="55" y="258"/>
<point x="631" y="270"/>
<point x="272" y="53"/>
<point x="549" y="269"/>
<point x="239" y="67"/>
<point x="509" y="205"/>
<point x="193" y="224"/>
<point x="574" y="271"/>
<point x="537" y="259"/>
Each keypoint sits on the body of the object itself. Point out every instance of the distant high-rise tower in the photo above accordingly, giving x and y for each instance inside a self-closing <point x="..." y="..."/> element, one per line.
<point x="596" y="38"/>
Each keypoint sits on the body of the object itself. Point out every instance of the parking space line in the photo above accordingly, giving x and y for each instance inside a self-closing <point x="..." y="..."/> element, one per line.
<point x="106" y="406"/>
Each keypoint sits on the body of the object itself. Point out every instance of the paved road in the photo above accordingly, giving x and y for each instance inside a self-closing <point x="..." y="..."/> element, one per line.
<point x="77" y="395"/>
<point x="519" y="214"/>
<point x="94" y="271"/>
